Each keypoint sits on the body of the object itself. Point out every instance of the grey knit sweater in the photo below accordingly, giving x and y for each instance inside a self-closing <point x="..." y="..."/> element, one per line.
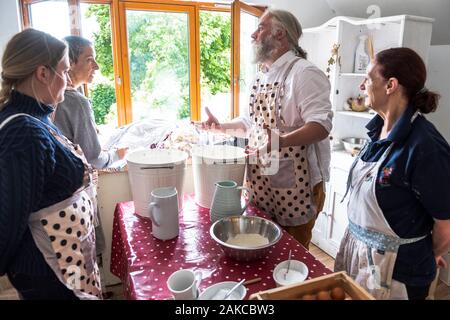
<point x="75" y="118"/>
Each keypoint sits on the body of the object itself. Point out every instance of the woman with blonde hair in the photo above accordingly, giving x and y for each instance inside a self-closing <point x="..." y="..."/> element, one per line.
<point x="47" y="195"/>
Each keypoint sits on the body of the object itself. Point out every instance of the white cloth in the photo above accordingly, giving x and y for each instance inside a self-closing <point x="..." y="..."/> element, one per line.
<point x="306" y="99"/>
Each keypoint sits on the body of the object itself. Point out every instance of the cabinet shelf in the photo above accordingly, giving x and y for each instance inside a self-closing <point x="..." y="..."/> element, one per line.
<point x="348" y="74"/>
<point x="365" y="114"/>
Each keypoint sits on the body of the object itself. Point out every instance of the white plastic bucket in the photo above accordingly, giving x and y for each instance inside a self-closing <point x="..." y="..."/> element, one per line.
<point x="213" y="163"/>
<point x="151" y="169"/>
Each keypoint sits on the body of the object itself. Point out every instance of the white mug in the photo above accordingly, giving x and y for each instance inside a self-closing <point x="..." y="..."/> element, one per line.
<point x="184" y="284"/>
<point x="164" y="213"/>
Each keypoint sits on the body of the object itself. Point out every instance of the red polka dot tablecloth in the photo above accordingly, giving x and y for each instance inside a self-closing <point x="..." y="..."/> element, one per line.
<point x="144" y="263"/>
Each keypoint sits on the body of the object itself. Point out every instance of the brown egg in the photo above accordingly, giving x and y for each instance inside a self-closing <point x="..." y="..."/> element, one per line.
<point x="323" y="295"/>
<point x="337" y="293"/>
<point x="309" y="297"/>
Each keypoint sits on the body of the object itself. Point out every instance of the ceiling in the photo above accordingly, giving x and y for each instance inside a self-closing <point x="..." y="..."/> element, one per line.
<point x="315" y="12"/>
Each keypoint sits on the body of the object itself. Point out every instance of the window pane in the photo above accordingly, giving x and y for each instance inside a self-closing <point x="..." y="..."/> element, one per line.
<point x="249" y="24"/>
<point x="96" y="26"/>
<point x="51" y="17"/>
<point x="158" y="48"/>
<point x="215" y="63"/>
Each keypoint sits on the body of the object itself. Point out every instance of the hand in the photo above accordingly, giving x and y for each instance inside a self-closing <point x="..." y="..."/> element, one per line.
<point x="441" y="263"/>
<point x="272" y="143"/>
<point x="210" y="124"/>
<point x="121" y="152"/>
<point x="272" y="137"/>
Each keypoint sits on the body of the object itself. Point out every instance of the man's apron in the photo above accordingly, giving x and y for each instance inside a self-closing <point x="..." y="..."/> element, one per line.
<point x="368" y="250"/>
<point x="285" y="195"/>
<point x="64" y="232"/>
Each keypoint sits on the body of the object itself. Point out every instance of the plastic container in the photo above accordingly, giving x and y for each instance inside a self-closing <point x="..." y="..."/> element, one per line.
<point x="362" y="59"/>
<point x="213" y="163"/>
<point x="151" y="169"/>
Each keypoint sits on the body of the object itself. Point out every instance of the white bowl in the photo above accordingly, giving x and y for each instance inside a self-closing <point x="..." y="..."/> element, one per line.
<point x="217" y="291"/>
<point x="298" y="271"/>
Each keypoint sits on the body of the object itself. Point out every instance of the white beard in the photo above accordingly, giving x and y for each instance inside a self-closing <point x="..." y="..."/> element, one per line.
<point x="264" y="50"/>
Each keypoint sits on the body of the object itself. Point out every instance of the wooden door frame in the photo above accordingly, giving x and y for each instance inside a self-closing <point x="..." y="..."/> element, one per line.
<point x="193" y="65"/>
<point x="237" y="7"/>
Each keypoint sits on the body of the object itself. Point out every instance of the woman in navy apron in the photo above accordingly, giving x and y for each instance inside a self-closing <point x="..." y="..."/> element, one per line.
<point x="47" y="207"/>
<point x="398" y="208"/>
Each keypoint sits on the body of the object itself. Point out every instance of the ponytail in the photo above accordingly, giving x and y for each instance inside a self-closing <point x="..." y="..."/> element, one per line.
<point x="5" y="91"/>
<point x="425" y="101"/>
<point x="299" y="52"/>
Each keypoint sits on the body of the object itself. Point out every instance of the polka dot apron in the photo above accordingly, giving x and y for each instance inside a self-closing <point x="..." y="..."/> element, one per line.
<point x="285" y="194"/>
<point x="64" y="232"/>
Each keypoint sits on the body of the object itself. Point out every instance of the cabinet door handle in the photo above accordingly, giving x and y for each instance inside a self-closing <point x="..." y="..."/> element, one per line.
<point x="326" y="213"/>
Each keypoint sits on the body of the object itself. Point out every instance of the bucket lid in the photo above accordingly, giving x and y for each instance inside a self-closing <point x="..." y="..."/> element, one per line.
<point x="220" y="153"/>
<point x="157" y="157"/>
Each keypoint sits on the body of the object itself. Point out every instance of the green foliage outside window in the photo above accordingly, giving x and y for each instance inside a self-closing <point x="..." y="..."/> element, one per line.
<point x="103" y="96"/>
<point x="156" y="44"/>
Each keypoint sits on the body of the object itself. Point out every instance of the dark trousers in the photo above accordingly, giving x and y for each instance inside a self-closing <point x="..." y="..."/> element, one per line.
<point x="40" y="288"/>
<point x="417" y="293"/>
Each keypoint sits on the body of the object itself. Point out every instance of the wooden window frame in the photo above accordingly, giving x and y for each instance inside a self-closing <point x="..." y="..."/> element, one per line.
<point x="120" y="49"/>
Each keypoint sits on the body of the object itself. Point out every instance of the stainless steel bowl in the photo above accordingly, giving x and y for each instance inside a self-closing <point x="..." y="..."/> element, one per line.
<point x="353" y="145"/>
<point x="228" y="227"/>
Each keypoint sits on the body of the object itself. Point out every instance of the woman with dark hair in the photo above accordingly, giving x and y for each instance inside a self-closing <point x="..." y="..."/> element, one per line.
<point x="74" y="116"/>
<point x="399" y="207"/>
<point x="47" y="190"/>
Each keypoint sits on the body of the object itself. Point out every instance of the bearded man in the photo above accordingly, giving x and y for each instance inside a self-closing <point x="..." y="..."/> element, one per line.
<point x="289" y="105"/>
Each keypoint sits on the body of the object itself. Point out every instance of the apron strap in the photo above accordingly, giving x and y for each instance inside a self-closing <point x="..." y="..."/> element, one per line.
<point x="281" y="95"/>
<point x="350" y="174"/>
<point x="5" y="122"/>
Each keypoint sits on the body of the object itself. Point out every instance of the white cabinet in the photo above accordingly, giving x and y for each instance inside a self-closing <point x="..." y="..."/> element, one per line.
<point x="332" y="221"/>
<point x="343" y="33"/>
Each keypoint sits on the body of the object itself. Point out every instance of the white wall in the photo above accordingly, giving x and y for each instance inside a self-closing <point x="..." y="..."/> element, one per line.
<point x="10" y="22"/>
<point x="438" y="80"/>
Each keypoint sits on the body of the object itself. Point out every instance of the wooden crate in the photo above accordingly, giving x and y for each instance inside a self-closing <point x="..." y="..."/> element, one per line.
<point x="353" y="291"/>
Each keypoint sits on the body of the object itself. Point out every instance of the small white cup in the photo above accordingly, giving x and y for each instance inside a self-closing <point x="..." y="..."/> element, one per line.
<point x="298" y="272"/>
<point x="184" y="284"/>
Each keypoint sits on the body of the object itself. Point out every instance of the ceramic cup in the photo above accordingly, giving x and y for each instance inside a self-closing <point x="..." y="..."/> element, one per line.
<point x="184" y="284"/>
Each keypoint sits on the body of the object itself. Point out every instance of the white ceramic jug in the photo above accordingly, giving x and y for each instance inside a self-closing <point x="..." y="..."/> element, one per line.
<point x="164" y="213"/>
